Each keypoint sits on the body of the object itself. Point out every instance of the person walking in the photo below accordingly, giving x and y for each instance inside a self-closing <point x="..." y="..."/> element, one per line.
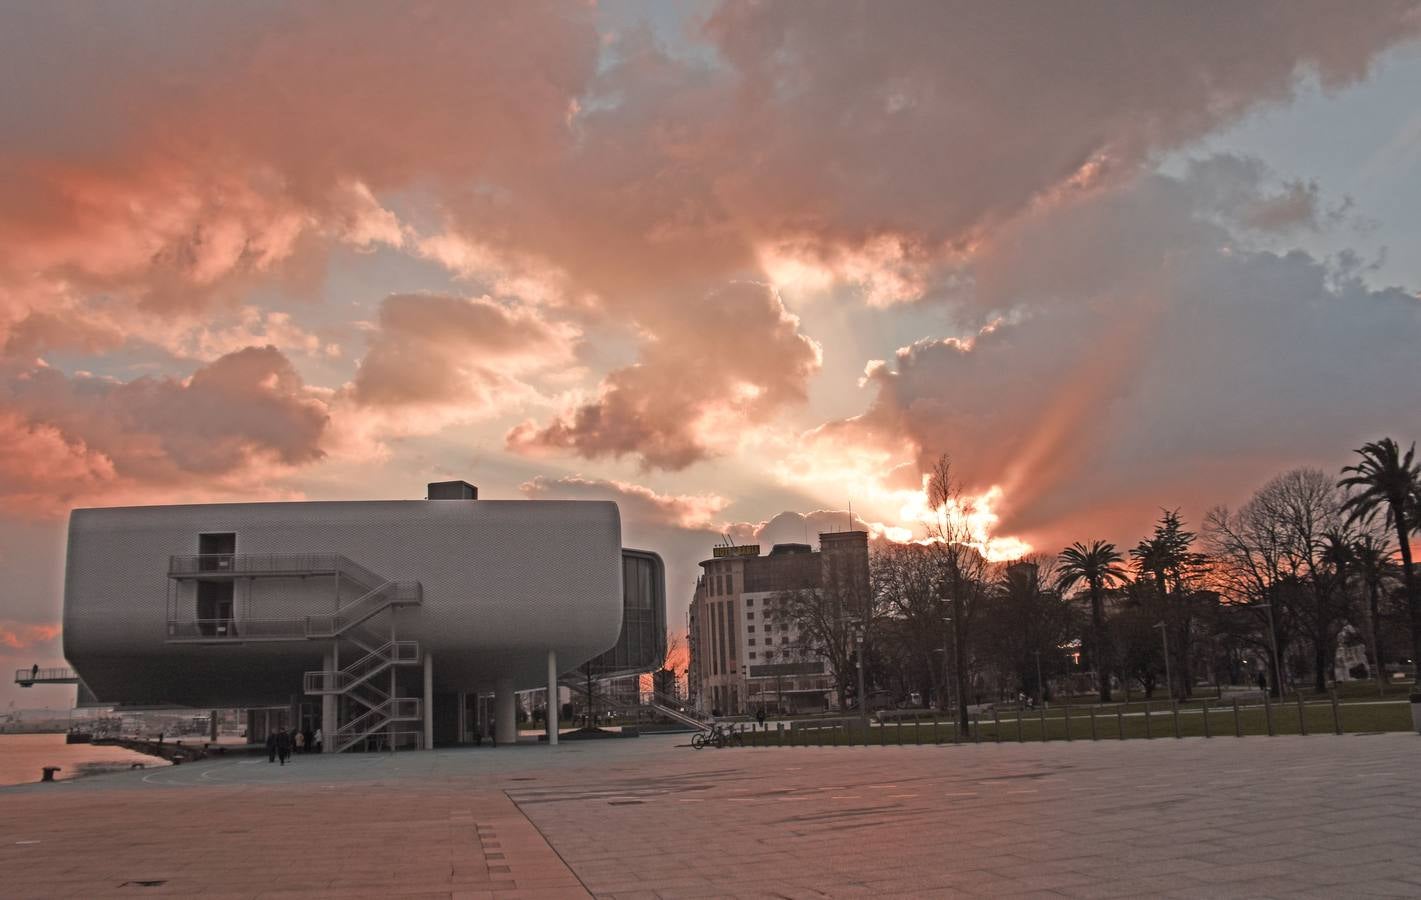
<point x="283" y="746"/>
<point x="317" y="737"/>
<point x="760" y="716"/>
<point x="299" y="737"/>
<point x="271" y="747"/>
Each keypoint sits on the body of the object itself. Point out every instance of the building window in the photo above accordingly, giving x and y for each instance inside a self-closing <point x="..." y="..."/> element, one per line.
<point x="783" y="640"/>
<point x="749" y="601"/>
<point x="750" y="629"/>
<point x="752" y="656"/>
<point x="729" y="583"/>
<point x="750" y="642"/>
<point x="783" y="627"/>
<point x="749" y="616"/>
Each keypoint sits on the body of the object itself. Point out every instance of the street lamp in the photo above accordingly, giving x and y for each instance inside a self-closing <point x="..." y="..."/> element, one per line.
<point x="863" y="706"/>
<point x="1272" y="640"/>
<point x="1164" y="636"/>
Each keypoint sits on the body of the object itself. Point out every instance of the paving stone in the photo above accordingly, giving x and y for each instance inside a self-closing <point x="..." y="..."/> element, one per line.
<point x="1196" y="818"/>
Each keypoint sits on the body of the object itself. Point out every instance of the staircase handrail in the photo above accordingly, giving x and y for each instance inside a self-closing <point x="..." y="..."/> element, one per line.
<point x="394" y="709"/>
<point x="390" y="653"/>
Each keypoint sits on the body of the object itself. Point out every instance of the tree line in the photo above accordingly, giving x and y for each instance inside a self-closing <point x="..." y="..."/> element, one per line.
<point x="1264" y="593"/>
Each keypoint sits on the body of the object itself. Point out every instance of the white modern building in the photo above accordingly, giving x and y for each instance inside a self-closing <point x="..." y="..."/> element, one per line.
<point x="383" y="623"/>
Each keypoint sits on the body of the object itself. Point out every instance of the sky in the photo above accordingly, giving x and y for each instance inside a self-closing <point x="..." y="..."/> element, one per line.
<point x="738" y="266"/>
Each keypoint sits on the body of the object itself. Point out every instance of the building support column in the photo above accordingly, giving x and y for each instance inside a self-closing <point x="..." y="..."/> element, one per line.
<point x="552" y="713"/>
<point x="328" y="706"/>
<point x="505" y="713"/>
<point x="428" y="700"/>
<point x="462" y="717"/>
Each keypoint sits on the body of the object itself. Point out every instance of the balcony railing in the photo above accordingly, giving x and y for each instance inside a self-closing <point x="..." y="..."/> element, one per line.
<point x="237" y="629"/>
<point x="27" y="677"/>
<point x="251" y="565"/>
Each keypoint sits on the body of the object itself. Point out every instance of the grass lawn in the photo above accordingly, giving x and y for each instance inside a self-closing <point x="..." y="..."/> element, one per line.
<point x="1111" y="723"/>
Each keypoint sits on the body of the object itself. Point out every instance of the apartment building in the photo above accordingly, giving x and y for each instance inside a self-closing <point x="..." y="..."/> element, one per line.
<point x="747" y="651"/>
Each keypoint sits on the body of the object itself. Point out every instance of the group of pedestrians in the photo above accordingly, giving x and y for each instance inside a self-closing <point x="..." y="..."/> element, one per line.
<point x="281" y="744"/>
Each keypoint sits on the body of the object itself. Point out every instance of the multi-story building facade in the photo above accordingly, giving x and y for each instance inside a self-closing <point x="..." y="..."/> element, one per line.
<point x="747" y="651"/>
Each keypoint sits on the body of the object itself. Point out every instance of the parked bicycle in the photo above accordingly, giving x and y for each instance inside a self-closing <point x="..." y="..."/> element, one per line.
<point x="718" y="736"/>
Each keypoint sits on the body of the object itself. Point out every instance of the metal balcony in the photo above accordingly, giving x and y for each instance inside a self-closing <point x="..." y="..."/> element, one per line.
<point x="210" y="566"/>
<point x="32" y="676"/>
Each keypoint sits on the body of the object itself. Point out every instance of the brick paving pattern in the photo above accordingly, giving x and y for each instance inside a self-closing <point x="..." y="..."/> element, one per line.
<point x="1318" y="816"/>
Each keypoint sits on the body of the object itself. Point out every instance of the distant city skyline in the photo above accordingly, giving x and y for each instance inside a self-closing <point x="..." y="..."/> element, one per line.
<point x="735" y="266"/>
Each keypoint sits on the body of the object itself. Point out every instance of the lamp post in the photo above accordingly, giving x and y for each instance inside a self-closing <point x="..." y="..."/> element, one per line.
<point x="858" y="640"/>
<point x="1273" y="642"/>
<point x="1164" y="636"/>
<point x="1040" y="691"/>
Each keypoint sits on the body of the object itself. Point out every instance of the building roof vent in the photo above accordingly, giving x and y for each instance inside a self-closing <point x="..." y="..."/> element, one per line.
<point x="452" y="490"/>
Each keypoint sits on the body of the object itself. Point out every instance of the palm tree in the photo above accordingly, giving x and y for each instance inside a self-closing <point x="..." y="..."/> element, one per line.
<point x="1095" y="566"/>
<point x="1389" y="482"/>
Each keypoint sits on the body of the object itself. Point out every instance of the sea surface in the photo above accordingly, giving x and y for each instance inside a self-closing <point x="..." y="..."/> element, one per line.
<point x="23" y="756"/>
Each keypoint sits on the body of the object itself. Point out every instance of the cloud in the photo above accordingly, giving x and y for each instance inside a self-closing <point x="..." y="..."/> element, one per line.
<point x="227" y="428"/>
<point x="22" y="635"/>
<point x="1159" y="355"/>
<point x="642" y="504"/>
<point x="732" y="361"/>
<point x="436" y="348"/>
<point x="570" y="164"/>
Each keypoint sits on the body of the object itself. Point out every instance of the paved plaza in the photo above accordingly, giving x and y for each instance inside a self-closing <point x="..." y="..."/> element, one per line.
<point x="1318" y="816"/>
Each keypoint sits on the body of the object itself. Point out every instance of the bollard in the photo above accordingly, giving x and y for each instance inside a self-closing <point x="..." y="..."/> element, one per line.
<point x="1020" y="714"/>
<point x="898" y="731"/>
<point x="1093" y="735"/>
<point x="1336" y="714"/>
<point x="1268" y="711"/>
<point x="977" y="727"/>
<point x="937" y="732"/>
<point x="996" y="725"/>
<point x="1068" y="722"/>
<point x="882" y="737"/>
<point x="1302" y="715"/>
<point x="1207" y="732"/>
<point x="49" y="772"/>
<point x="1120" y="722"/>
<point x="1148" y="732"/>
<point x="780" y="733"/>
<point x="917" y="729"/>
<point x="1175" y="705"/>
<point x="1238" y="723"/>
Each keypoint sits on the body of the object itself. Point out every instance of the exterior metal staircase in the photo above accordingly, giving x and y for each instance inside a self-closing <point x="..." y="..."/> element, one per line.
<point x="369" y="710"/>
<point x="358" y="673"/>
<point x="379" y="721"/>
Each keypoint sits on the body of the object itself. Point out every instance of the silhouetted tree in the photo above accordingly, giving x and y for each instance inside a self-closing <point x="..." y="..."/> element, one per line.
<point x="1169" y="559"/>
<point x="1384" y="480"/>
<point x="1097" y="567"/>
<point x="1372" y="562"/>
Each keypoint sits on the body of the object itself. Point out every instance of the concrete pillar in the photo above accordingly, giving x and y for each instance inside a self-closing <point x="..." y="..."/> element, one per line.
<point x="505" y="712"/>
<point x="462" y="698"/>
<point x="552" y="717"/>
<point x="428" y="700"/>
<point x="328" y="707"/>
